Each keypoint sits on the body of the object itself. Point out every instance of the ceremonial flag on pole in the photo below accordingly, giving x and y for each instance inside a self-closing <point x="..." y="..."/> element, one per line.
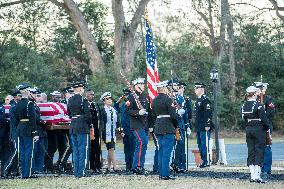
<point x="152" y="68"/>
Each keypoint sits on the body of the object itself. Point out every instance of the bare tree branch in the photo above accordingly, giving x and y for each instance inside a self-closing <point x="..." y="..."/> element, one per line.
<point x="277" y="9"/>
<point x="266" y="8"/>
<point x="137" y="16"/>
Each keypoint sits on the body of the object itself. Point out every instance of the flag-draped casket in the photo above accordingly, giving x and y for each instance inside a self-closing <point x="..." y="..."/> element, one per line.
<point x="54" y="114"/>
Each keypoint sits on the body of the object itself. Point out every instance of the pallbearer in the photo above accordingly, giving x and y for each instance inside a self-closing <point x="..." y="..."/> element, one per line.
<point x="164" y="113"/>
<point x="79" y="112"/>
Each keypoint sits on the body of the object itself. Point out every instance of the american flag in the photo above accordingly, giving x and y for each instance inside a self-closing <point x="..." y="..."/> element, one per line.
<point x="152" y="69"/>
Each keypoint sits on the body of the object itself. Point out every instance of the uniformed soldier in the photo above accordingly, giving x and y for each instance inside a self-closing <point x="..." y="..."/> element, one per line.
<point x="95" y="145"/>
<point x="164" y="114"/>
<point x="138" y="109"/>
<point x="179" y="162"/>
<point x="256" y="126"/>
<point x="12" y="165"/>
<point x="270" y="110"/>
<point x="203" y="122"/>
<point x="128" y="138"/>
<point x="39" y="147"/>
<point x="25" y="119"/>
<point x="79" y="112"/>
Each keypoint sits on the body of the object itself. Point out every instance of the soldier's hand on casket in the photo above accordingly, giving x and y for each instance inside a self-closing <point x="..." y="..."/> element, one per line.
<point x="142" y="112"/>
<point x="181" y="112"/>
<point x="36" y="138"/>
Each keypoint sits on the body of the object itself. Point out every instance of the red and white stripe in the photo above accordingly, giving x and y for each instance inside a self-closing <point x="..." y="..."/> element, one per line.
<point x="152" y="79"/>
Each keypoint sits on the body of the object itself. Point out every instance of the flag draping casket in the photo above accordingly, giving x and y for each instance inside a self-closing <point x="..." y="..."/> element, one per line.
<point x="54" y="114"/>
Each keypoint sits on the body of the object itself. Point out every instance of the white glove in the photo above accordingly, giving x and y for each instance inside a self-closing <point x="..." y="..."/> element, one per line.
<point x="188" y="131"/>
<point x="122" y="134"/>
<point x="142" y="112"/>
<point x="181" y="111"/>
<point x="36" y="138"/>
<point x="151" y="130"/>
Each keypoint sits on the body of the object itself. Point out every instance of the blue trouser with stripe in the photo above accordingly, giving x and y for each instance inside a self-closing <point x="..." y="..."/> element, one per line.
<point x="141" y="141"/>
<point x="180" y="156"/>
<point x="166" y="144"/>
<point x="201" y="141"/>
<point x="267" y="162"/>
<point x="128" y="150"/>
<point x="26" y="155"/>
<point x="39" y="154"/>
<point x="80" y="144"/>
<point x="12" y="165"/>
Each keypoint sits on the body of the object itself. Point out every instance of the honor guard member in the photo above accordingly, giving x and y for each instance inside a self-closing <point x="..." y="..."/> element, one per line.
<point x="79" y="112"/>
<point x="138" y="109"/>
<point x="128" y="138"/>
<point x="203" y="122"/>
<point x="179" y="161"/>
<point x="68" y="92"/>
<point x="12" y="165"/>
<point x="39" y="146"/>
<point x="256" y="126"/>
<point x="270" y="110"/>
<point x="25" y="118"/>
<point x="164" y="114"/>
<point x="95" y="147"/>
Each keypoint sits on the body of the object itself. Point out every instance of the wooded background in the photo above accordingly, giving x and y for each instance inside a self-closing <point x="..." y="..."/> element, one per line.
<point x="50" y="43"/>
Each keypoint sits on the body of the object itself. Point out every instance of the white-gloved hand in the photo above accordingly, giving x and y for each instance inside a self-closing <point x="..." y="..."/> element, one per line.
<point x="188" y="131"/>
<point x="151" y="130"/>
<point x="142" y="112"/>
<point x="181" y="111"/>
<point x="36" y="138"/>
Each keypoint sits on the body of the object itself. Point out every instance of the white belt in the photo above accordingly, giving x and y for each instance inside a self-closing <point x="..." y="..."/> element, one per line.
<point x="161" y="116"/>
<point x="254" y="120"/>
<point x="75" y="116"/>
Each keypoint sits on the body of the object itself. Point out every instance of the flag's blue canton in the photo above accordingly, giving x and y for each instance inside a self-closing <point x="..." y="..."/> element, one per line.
<point x="150" y="47"/>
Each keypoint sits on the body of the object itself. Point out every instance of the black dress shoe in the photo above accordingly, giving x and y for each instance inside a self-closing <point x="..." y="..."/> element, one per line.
<point x="168" y="178"/>
<point x="261" y="181"/>
<point x="203" y="165"/>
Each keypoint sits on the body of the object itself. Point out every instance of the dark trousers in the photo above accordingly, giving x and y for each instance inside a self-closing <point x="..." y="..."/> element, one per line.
<point x="166" y="144"/>
<point x="128" y="141"/>
<point x="57" y="139"/>
<point x="39" y="153"/>
<point x="80" y="153"/>
<point x="4" y="150"/>
<point x="267" y="161"/>
<point x="156" y="156"/>
<point x="180" y="156"/>
<point x="68" y="151"/>
<point x="95" y="153"/>
<point x="26" y="155"/>
<point x="141" y="141"/>
<point x="255" y="138"/>
<point x="201" y="141"/>
<point x="12" y="165"/>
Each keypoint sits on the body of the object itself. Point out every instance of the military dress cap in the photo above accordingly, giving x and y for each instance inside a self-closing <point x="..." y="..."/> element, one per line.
<point x="126" y="92"/>
<point x="139" y="80"/>
<point x="78" y="84"/>
<point x="22" y="86"/>
<point x="68" y="90"/>
<point x="174" y="81"/>
<point x="199" y="85"/>
<point x="162" y="84"/>
<point x="16" y="92"/>
<point x="251" y="89"/>
<point x="182" y="84"/>
<point x="105" y="95"/>
<point x="55" y="93"/>
<point x="261" y="85"/>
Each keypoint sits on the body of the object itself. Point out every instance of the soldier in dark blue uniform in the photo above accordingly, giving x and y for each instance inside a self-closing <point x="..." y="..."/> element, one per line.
<point x="128" y="138"/>
<point x="40" y="147"/>
<point x="138" y="108"/>
<point x="25" y="119"/>
<point x="256" y="126"/>
<point x="270" y="110"/>
<point x="95" y="145"/>
<point x="179" y="162"/>
<point x="79" y="112"/>
<point x="12" y="165"/>
<point x="164" y="114"/>
<point x="203" y="122"/>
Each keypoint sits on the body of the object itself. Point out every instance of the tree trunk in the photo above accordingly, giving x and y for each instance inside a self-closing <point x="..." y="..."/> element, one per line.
<point x="85" y="34"/>
<point x="232" y="62"/>
<point x="124" y="37"/>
